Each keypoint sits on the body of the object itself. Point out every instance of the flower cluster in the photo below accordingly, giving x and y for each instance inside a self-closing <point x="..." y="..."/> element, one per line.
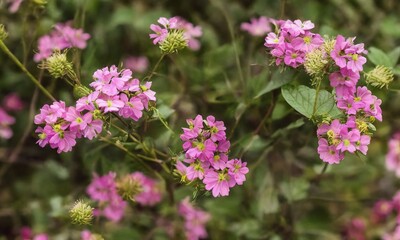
<point x="381" y="218"/>
<point x="257" y="26"/>
<point x="11" y="103"/>
<point x="292" y="42"/>
<point x="195" y="219"/>
<point x="105" y="190"/>
<point x="114" y="92"/>
<point x="206" y="152"/>
<point x="393" y="155"/>
<point x="63" y="36"/>
<point x="343" y="60"/>
<point x="359" y="106"/>
<point x="175" y="34"/>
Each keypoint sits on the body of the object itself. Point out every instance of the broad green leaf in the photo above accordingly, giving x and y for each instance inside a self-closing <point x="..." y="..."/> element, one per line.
<point x="278" y="80"/>
<point x="267" y="196"/>
<point x="394" y="56"/>
<point x="302" y="99"/>
<point x="378" y="57"/>
<point x="295" y="189"/>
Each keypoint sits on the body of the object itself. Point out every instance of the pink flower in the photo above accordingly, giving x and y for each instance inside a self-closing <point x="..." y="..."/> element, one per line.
<point x="110" y="104"/>
<point x="329" y="153"/>
<point x="159" y="34"/>
<point x="238" y="170"/>
<point x="382" y="209"/>
<point x="41" y="236"/>
<point x="15" y="4"/>
<point x="195" y="127"/>
<point x="393" y="155"/>
<point x="195" y="219"/>
<point x="196" y="169"/>
<point x="136" y="64"/>
<point x="77" y="120"/>
<point x="218" y="182"/>
<point x="257" y="27"/>
<point x="338" y="54"/>
<point x="115" y="209"/>
<point x="102" y="188"/>
<point x="272" y="40"/>
<point x="12" y="102"/>
<point x="307" y="42"/>
<point x="293" y="58"/>
<point x="5" y="122"/>
<point x="63" y="139"/>
<point x="349" y="140"/>
<point x="86" y="235"/>
<point x="362" y="144"/>
<point x="217" y="129"/>
<point x="150" y="194"/>
<point x="356" y="229"/>
<point x="93" y="129"/>
<point x="133" y="107"/>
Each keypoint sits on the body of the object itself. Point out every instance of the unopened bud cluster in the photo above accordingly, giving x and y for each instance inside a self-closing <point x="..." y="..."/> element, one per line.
<point x="81" y="213"/>
<point x="380" y="77"/>
<point x="3" y="32"/>
<point x="58" y="65"/>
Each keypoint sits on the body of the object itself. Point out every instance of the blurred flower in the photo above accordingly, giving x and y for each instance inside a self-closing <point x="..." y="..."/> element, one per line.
<point x="136" y="64"/>
<point x="257" y="27"/>
<point x="5" y="122"/>
<point x="63" y="36"/>
<point x="195" y="220"/>
<point x="175" y="34"/>
<point x="393" y="155"/>
<point x="14" y="5"/>
<point x="12" y="102"/>
<point x="150" y="193"/>
<point x="81" y="213"/>
<point x="395" y="235"/>
<point x="381" y="210"/>
<point x="87" y="235"/>
<point x="355" y="230"/>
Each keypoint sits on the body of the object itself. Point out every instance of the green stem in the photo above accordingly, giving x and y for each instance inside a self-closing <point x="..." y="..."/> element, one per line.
<point x="316" y="98"/>
<point x="154" y="68"/>
<point x="22" y="67"/>
<point x="230" y="27"/>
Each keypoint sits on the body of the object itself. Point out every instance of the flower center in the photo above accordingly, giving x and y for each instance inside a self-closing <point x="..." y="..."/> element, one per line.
<point x="294" y="55"/>
<point x="222" y="177"/>
<point x="109" y="103"/>
<point x="79" y="120"/>
<point x="346" y="142"/>
<point x="42" y="136"/>
<point x="354" y="57"/>
<point x="307" y="40"/>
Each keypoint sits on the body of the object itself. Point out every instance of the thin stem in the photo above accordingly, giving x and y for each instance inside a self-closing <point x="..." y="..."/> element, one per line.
<point x="324" y="169"/>
<point x="154" y="68"/>
<point x="22" y="67"/>
<point x="316" y="97"/>
<point x="283" y="5"/>
<point x="235" y="49"/>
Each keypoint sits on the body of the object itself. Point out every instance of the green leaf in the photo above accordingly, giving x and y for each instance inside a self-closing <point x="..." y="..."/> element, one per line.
<point x="394" y="56"/>
<point x="295" y="189"/>
<point x="278" y="80"/>
<point x="267" y="196"/>
<point x="302" y="99"/>
<point x="378" y="57"/>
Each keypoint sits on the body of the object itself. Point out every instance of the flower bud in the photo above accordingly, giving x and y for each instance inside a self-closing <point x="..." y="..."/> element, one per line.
<point x="380" y="76"/>
<point x="58" y="65"/>
<point x="174" y="42"/>
<point x="81" y="213"/>
<point x="3" y="32"/>
<point x="329" y="45"/>
<point x="315" y="62"/>
<point x="128" y="188"/>
<point x="40" y="3"/>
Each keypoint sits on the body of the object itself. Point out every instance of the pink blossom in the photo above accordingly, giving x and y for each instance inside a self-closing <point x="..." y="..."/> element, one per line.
<point x="356" y="229"/>
<point x="329" y="153"/>
<point x="133" y="107"/>
<point x="307" y="42"/>
<point x="393" y="155"/>
<point x="195" y="219"/>
<point x="257" y="27"/>
<point x="102" y="188"/>
<point x="136" y="64"/>
<point x="151" y="193"/>
<point x="217" y="129"/>
<point x="338" y="54"/>
<point x="293" y="58"/>
<point x="159" y="34"/>
<point x="349" y="140"/>
<point x="381" y="210"/>
<point x="218" y="182"/>
<point x="196" y="169"/>
<point x="115" y="209"/>
<point x="272" y="40"/>
<point x="14" y="5"/>
<point x="5" y="122"/>
<point x="93" y="129"/>
<point x="110" y="104"/>
<point x="12" y="102"/>
<point x="238" y="170"/>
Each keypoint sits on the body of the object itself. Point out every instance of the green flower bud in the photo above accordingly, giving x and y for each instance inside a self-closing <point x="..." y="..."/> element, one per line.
<point x="380" y="76"/>
<point x="58" y="65"/>
<point x="329" y="45"/>
<point x="174" y="42"/>
<point x="315" y="62"/>
<point x="3" y="32"/>
<point x="81" y="91"/>
<point x="81" y="213"/>
<point x="128" y="188"/>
